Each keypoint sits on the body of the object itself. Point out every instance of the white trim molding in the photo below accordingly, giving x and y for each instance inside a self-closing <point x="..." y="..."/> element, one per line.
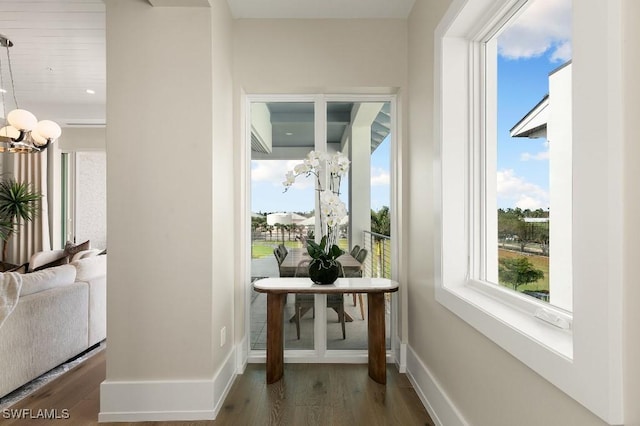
<point x="440" y="407"/>
<point x="167" y="400"/>
<point x="591" y="350"/>
<point x="320" y="353"/>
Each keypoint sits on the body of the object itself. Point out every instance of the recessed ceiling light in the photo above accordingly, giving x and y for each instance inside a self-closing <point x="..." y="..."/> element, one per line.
<point x="288" y="133"/>
<point x="91" y="92"/>
<point x="3" y="91"/>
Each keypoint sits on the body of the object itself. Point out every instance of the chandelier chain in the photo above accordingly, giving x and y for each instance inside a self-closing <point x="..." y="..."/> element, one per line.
<point x="22" y="132"/>
<point x="15" y="99"/>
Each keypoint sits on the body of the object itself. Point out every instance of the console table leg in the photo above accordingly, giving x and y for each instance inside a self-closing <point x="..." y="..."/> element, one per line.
<point x="377" y="350"/>
<point x="275" y="341"/>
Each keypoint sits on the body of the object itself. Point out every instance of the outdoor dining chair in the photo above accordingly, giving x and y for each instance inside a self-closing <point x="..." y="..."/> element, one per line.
<point x="304" y="302"/>
<point x="360" y="257"/>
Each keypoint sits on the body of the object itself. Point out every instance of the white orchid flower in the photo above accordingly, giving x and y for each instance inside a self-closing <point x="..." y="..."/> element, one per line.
<point x="301" y="169"/>
<point x="289" y="179"/>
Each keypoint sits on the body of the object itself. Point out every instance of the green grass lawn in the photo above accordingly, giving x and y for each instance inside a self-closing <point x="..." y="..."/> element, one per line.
<point x="539" y="262"/>
<point x="262" y="248"/>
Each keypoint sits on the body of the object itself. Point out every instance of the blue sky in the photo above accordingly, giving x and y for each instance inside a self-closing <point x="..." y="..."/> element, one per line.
<point x="532" y="46"/>
<point x="267" y="189"/>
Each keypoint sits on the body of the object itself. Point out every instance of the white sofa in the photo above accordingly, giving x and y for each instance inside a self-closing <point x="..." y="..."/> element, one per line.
<point x="60" y="313"/>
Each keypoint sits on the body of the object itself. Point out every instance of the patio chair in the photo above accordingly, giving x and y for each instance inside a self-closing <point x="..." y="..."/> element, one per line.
<point x="360" y="257"/>
<point x="355" y="250"/>
<point x="304" y="301"/>
<point x="276" y="254"/>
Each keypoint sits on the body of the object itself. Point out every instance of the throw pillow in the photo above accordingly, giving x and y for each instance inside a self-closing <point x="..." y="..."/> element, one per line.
<point x="90" y="268"/>
<point x="61" y="261"/>
<point x="70" y="248"/>
<point x="21" y="269"/>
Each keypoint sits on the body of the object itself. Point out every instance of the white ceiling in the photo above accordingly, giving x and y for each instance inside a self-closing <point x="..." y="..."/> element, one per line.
<point x="58" y="53"/>
<point x="59" y="47"/>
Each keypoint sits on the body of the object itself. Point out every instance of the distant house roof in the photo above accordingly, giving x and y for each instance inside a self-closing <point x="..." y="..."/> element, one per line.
<point x="534" y="123"/>
<point x="536" y="219"/>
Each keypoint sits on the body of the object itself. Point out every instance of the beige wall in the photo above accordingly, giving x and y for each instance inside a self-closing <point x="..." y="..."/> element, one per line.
<point x="631" y="71"/>
<point x="224" y="218"/>
<point x="82" y="139"/>
<point x="166" y="297"/>
<point x="316" y="56"/>
<point x="487" y="385"/>
<point x="320" y="56"/>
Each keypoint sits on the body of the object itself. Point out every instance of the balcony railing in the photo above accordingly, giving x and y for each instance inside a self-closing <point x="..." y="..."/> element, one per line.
<point x="378" y="261"/>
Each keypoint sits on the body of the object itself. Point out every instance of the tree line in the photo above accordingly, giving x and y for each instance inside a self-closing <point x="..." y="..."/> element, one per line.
<point x="380" y="224"/>
<point x="513" y="227"/>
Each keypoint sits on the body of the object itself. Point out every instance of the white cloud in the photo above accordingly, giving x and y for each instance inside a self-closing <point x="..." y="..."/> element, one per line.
<point x="380" y="177"/>
<point x="562" y="52"/>
<point x="274" y="171"/>
<point x="544" y="25"/>
<point x="539" y="156"/>
<point x="514" y="191"/>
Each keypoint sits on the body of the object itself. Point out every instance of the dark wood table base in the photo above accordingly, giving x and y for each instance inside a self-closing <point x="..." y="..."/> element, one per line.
<point x="275" y="337"/>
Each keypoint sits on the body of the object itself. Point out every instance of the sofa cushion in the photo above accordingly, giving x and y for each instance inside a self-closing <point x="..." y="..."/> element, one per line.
<point x="83" y="254"/>
<point x="21" y="269"/>
<point x="90" y="267"/>
<point x="35" y="282"/>
<point x="57" y="262"/>
<point x="71" y="249"/>
<point x="43" y="257"/>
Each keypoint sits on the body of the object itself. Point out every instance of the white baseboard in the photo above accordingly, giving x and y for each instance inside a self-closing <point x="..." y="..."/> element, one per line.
<point x="129" y="401"/>
<point x="441" y="409"/>
<point x="242" y="354"/>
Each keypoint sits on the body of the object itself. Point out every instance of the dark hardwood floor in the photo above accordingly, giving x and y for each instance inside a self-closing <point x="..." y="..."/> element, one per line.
<point x="318" y="394"/>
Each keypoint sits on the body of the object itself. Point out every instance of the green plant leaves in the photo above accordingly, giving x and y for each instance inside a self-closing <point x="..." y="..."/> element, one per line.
<point x="320" y="251"/>
<point x="17" y="201"/>
<point x="335" y="252"/>
<point x="314" y="250"/>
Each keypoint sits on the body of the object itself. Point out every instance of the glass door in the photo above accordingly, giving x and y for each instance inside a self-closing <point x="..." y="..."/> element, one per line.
<point x="285" y="213"/>
<point x="282" y="135"/>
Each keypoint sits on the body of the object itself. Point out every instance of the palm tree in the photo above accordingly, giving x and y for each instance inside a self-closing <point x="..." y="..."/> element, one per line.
<point x="18" y="203"/>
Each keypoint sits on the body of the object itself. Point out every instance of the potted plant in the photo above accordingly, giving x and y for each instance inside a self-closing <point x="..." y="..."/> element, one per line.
<point x="324" y="267"/>
<point x="18" y="203"/>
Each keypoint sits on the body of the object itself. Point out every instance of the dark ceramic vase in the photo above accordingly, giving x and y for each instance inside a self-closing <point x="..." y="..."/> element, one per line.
<point x="324" y="271"/>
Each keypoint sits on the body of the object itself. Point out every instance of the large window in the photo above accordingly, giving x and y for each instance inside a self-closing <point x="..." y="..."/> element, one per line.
<point x="573" y="338"/>
<point x="526" y="195"/>
<point x="84" y="198"/>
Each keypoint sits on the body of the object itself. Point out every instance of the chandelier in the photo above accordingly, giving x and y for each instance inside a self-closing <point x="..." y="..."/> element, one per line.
<point x="22" y="132"/>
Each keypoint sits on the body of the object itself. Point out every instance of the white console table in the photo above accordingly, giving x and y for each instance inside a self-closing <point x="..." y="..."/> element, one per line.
<point x="277" y="290"/>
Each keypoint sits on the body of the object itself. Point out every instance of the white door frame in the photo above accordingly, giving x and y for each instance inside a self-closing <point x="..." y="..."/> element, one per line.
<point x="320" y="353"/>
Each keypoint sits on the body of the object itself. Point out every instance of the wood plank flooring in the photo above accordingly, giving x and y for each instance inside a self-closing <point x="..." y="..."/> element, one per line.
<point x="317" y="394"/>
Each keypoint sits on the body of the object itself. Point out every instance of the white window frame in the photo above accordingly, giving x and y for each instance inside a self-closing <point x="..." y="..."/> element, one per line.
<point x="584" y="361"/>
<point x="320" y="353"/>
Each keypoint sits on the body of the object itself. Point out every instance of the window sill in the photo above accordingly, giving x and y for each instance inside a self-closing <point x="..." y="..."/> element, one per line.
<point x="514" y="328"/>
